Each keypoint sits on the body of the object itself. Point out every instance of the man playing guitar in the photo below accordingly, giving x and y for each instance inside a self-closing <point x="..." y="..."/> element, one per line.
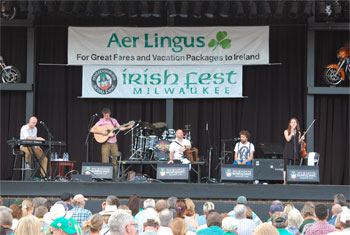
<point x="101" y="128"/>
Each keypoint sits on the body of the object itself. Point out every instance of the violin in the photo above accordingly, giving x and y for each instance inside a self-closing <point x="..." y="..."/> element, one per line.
<point x="303" y="143"/>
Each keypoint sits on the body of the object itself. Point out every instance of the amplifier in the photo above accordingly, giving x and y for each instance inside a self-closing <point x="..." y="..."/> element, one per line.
<point x="97" y="170"/>
<point x="231" y="172"/>
<point x="268" y="169"/>
<point x="173" y="172"/>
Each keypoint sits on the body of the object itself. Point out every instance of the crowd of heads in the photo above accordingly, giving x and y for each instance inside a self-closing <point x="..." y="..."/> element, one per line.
<point x="40" y="216"/>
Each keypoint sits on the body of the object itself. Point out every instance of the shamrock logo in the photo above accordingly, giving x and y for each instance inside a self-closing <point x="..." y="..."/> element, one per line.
<point x="220" y="40"/>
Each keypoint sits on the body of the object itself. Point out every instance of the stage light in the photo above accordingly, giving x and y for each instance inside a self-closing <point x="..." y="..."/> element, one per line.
<point x="171" y="9"/>
<point x="90" y="8"/>
<point x="77" y="8"/>
<point x="308" y="9"/>
<point x="265" y="9"/>
<point x="252" y="10"/>
<point x="118" y="8"/>
<point x="225" y="9"/>
<point x="337" y="9"/>
<point x="63" y="8"/>
<point x="294" y="9"/>
<point x="131" y="9"/>
<point x="144" y="9"/>
<point x="279" y="9"/>
<point x="211" y="8"/>
<point x="104" y="8"/>
<point x="238" y="9"/>
<point x="51" y="7"/>
<point x="184" y="9"/>
<point x="197" y="10"/>
<point x="157" y="7"/>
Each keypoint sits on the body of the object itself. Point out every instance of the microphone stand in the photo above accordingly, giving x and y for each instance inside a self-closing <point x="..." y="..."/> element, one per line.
<point x="209" y="156"/>
<point x="50" y="150"/>
<point x="87" y="140"/>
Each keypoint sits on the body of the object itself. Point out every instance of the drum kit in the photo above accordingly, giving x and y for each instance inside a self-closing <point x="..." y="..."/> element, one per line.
<point x="152" y="141"/>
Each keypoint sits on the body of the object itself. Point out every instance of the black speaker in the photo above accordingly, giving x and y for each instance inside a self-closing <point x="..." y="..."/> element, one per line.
<point x="173" y="172"/>
<point x="303" y="174"/>
<point x="271" y="150"/>
<point x="97" y="170"/>
<point x="237" y="173"/>
<point x="268" y="169"/>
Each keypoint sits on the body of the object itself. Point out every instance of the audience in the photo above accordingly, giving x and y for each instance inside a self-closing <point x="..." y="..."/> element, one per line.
<point x="190" y="215"/>
<point x="171" y="205"/>
<point x="230" y="226"/>
<point x="245" y="226"/>
<point x="6" y="222"/>
<point x="16" y="214"/>
<point x="321" y="226"/>
<point x="266" y="229"/>
<point x="111" y="201"/>
<point x="336" y="210"/>
<point x="134" y="204"/>
<point x="207" y="206"/>
<point x="93" y="225"/>
<point x="179" y="226"/>
<point x="68" y="199"/>
<point x="280" y="221"/>
<point x="250" y="213"/>
<point x="340" y="199"/>
<point x="161" y="205"/>
<point x="29" y="225"/>
<point x="122" y="223"/>
<point x="27" y="208"/>
<point x="62" y="226"/>
<point x="149" y="210"/>
<point x="294" y="221"/>
<point x="214" y="223"/>
<point x="151" y="225"/>
<point x="165" y="219"/>
<point x="80" y="214"/>
<point x="308" y="214"/>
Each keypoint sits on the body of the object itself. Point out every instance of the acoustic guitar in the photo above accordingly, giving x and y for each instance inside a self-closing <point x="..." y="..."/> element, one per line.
<point x="110" y="129"/>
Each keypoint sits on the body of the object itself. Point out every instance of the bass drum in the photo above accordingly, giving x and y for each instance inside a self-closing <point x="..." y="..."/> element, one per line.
<point x="161" y="150"/>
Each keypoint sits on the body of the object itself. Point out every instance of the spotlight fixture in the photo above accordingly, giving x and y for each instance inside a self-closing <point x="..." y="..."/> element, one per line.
<point x="64" y="8"/>
<point x="337" y="9"/>
<point x="184" y="9"/>
<point x="197" y="10"/>
<point x="90" y="8"/>
<point x="279" y="9"/>
<point x="157" y="7"/>
<point x="51" y="6"/>
<point x="308" y="9"/>
<point x="77" y="9"/>
<point x="265" y="9"/>
<point x="171" y="9"/>
<point x="238" y="9"/>
<point x="144" y="9"/>
<point x="252" y="10"/>
<point x="131" y="9"/>
<point x="211" y="8"/>
<point x="294" y="9"/>
<point x="225" y="9"/>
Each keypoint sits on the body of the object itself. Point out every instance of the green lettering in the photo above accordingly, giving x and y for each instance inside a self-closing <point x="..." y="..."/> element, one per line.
<point x="137" y="91"/>
<point x="166" y="77"/>
<point x="217" y="76"/>
<point x="229" y="76"/>
<point x="114" y="38"/>
<point x="204" y="77"/>
<point x="188" y="83"/>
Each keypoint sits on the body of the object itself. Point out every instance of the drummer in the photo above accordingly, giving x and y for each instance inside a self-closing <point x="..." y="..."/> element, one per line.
<point x="178" y="147"/>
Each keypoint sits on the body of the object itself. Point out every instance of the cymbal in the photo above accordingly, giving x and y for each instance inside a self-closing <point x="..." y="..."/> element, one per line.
<point x="147" y="125"/>
<point x="159" y="124"/>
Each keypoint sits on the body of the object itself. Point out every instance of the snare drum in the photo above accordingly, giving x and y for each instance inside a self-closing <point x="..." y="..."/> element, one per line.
<point x="161" y="150"/>
<point x="152" y="140"/>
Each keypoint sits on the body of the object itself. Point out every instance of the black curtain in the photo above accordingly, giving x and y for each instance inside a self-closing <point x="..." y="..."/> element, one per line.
<point x="274" y="94"/>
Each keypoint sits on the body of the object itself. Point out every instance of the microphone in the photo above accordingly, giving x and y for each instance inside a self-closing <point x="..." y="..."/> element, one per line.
<point x="206" y="126"/>
<point x="42" y="123"/>
<point x="237" y="139"/>
<point x="95" y="115"/>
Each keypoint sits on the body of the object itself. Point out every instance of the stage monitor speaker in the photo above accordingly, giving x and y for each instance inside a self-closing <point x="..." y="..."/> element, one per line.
<point x="237" y="173"/>
<point x="268" y="169"/>
<point x="172" y="172"/>
<point x="97" y="170"/>
<point x="303" y="174"/>
<point x="86" y="178"/>
<point x="273" y="150"/>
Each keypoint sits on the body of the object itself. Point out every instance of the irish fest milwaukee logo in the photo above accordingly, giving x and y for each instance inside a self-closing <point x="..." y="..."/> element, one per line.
<point x="104" y="81"/>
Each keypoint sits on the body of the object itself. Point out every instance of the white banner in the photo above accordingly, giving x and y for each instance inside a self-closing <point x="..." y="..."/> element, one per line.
<point x="161" y="82"/>
<point x="168" y="45"/>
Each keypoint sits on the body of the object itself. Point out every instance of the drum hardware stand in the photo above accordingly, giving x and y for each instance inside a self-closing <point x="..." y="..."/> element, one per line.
<point x="210" y="180"/>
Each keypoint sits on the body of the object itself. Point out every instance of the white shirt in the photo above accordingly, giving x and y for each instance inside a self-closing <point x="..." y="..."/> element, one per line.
<point x="141" y="216"/>
<point x="26" y="132"/>
<point x="175" y="148"/>
<point x="165" y="231"/>
<point x="244" y="150"/>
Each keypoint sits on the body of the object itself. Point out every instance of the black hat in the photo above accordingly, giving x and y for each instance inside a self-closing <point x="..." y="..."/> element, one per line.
<point x="66" y="196"/>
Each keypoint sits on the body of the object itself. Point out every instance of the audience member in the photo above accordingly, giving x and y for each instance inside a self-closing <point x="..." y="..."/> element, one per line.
<point x="38" y="201"/>
<point x="62" y="226"/>
<point x="16" y="214"/>
<point x="214" y="223"/>
<point x="266" y="229"/>
<point x="151" y="225"/>
<point x="165" y="219"/>
<point x="321" y="227"/>
<point x="336" y="210"/>
<point x="93" y="225"/>
<point x="27" y="208"/>
<point x="179" y="226"/>
<point x="39" y="213"/>
<point x="308" y="213"/>
<point x="243" y="200"/>
<point x="288" y="207"/>
<point x="122" y="223"/>
<point x="180" y="208"/>
<point x="230" y="226"/>
<point x="245" y="226"/>
<point x="280" y="221"/>
<point x="28" y="225"/>
<point x="6" y="221"/>
<point x="68" y="199"/>
<point x="111" y="201"/>
<point x="48" y="204"/>
<point x="1" y="201"/>
<point x="190" y="215"/>
<point x="171" y="205"/>
<point x="345" y="222"/>
<point x="109" y="210"/>
<point x="207" y="206"/>
<point x="340" y="199"/>
<point x="80" y="214"/>
<point x="134" y="204"/>
<point x="336" y="226"/>
<point x="276" y="206"/>
<point x="294" y="221"/>
<point x="161" y="205"/>
<point x="148" y="206"/>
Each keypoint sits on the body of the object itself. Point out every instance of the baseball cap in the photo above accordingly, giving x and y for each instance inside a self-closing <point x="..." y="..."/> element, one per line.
<point x="64" y="224"/>
<point x="242" y="200"/>
<point x="276" y="207"/>
<point x="66" y="196"/>
<point x="79" y="198"/>
<point x="279" y="217"/>
<point x="345" y="217"/>
<point x="109" y="210"/>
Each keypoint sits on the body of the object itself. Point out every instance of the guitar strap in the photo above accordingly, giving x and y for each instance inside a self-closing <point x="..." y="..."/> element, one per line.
<point x="112" y="123"/>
